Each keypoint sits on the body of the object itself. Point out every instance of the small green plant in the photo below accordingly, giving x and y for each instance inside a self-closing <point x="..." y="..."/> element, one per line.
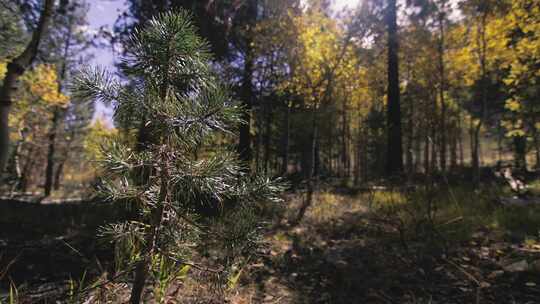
<point x="13" y="294"/>
<point x="75" y="289"/>
<point x="189" y="191"/>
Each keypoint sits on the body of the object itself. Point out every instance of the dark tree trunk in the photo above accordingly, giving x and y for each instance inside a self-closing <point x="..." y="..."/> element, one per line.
<point x="426" y="156"/>
<point x="60" y="168"/>
<point x="15" y="69"/>
<point x="360" y="152"/>
<point x="333" y="166"/>
<point x="537" y="152"/>
<point x="417" y="152"/>
<point x="444" y="126"/>
<point x="244" y="144"/>
<point x="26" y="170"/>
<point x="520" y="148"/>
<point x="536" y="142"/>
<point x="394" y="163"/>
<point x="358" y="155"/>
<point x="285" y="164"/>
<point x="143" y="266"/>
<point x="58" y="115"/>
<point x="17" y="163"/>
<point x="454" y="146"/>
<point x="484" y="83"/>
<point x="460" y="142"/>
<point x="344" y="126"/>
<point x="312" y="170"/>
<point x="49" y="170"/>
<point x="267" y="138"/>
<point x="141" y="272"/>
<point x="433" y="141"/>
<point x="499" y="141"/>
<point x="257" y="143"/>
<point x="475" y="152"/>
<point x="58" y="175"/>
<point x="144" y="139"/>
<point x="410" y="138"/>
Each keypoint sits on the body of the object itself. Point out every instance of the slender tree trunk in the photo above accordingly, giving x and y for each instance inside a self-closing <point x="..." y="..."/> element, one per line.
<point x="475" y="152"/>
<point x="312" y="170"/>
<point x="417" y="152"/>
<point x="143" y="266"/>
<point x="267" y="137"/>
<point x="410" y="138"/>
<point x="4" y="134"/>
<point x="484" y="80"/>
<point x="141" y="273"/>
<point x="49" y="170"/>
<point x="15" y="69"/>
<point x="499" y="141"/>
<point x="358" y="154"/>
<point x="17" y="155"/>
<point x="471" y="141"/>
<point x="317" y="161"/>
<point x="344" y="140"/>
<point x="329" y="159"/>
<point x="536" y="142"/>
<point x="257" y="143"/>
<point x="58" y="115"/>
<point x="433" y="141"/>
<point x="58" y="175"/>
<point x="60" y="168"/>
<point x="143" y="140"/>
<point x="26" y="170"/>
<point x="426" y="156"/>
<point x="286" y="135"/>
<point x="349" y="150"/>
<point x="394" y="163"/>
<point x="444" y="126"/>
<point x="17" y="163"/>
<point x="453" y="146"/>
<point x="520" y="148"/>
<point x="244" y="144"/>
<point x="537" y="152"/>
<point x="305" y="161"/>
<point x="460" y="141"/>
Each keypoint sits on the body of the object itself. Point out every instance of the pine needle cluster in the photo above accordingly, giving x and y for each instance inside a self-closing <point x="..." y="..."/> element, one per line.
<point x="188" y="190"/>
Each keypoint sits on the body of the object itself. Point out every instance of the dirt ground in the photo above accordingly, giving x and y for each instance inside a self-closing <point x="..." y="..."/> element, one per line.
<point x="352" y="256"/>
<point x="341" y="252"/>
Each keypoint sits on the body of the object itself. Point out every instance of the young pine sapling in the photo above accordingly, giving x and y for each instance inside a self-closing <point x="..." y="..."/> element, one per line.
<point x="188" y="190"/>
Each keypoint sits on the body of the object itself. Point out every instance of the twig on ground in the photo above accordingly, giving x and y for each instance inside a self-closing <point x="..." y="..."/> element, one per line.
<point x="467" y="274"/>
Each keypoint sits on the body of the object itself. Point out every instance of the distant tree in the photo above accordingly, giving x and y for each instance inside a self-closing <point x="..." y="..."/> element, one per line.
<point x="15" y="69"/>
<point x="394" y="163"/>
<point x="64" y="46"/>
<point x="12" y="34"/>
<point x="182" y="196"/>
<point x="522" y="30"/>
<point x="212" y="18"/>
<point x="229" y="27"/>
<point x="37" y="96"/>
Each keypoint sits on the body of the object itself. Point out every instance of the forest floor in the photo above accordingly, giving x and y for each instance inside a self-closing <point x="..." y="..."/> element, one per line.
<point x="344" y="252"/>
<point x="443" y="245"/>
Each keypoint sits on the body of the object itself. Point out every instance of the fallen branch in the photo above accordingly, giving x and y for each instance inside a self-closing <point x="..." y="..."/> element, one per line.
<point x="467" y="274"/>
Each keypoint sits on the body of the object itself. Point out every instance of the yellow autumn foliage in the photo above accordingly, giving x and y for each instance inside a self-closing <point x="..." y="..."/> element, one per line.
<point x="3" y="69"/>
<point x="43" y="83"/>
<point x="35" y="99"/>
<point x="323" y="65"/>
<point x="98" y="134"/>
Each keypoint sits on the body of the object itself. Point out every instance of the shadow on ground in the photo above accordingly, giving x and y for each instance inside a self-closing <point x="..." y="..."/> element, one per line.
<point x="357" y="259"/>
